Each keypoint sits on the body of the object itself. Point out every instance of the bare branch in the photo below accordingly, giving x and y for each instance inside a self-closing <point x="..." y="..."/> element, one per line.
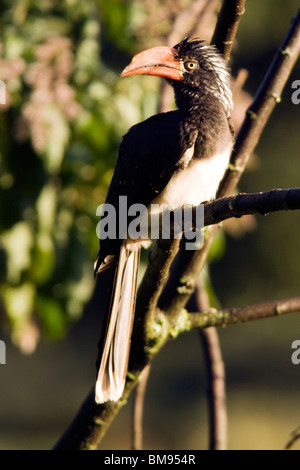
<point x="294" y="437"/>
<point x="255" y="203"/>
<point x="185" y="24"/>
<point x="186" y="21"/>
<point x="138" y="409"/>
<point x="237" y="315"/>
<point x="216" y="389"/>
<point x="227" y="25"/>
<point x="215" y="371"/>
<point x="262" y="203"/>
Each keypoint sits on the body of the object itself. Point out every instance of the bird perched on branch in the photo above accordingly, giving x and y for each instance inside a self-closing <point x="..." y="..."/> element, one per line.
<point x="174" y="159"/>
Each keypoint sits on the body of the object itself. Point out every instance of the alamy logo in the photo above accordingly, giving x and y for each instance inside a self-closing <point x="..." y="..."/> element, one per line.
<point x="2" y="92"/>
<point x="137" y="222"/>
<point x="296" y="93"/>
<point x="296" y="354"/>
<point x="2" y="352"/>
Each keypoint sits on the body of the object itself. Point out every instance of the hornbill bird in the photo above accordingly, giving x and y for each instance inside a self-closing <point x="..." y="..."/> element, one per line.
<point x="176" y="158"/>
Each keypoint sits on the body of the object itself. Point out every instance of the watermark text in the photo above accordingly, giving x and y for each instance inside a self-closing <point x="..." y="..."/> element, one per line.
<point x="2" y="352"/>
<point x="296" y="354"/>
<point x="137" y="222"/>
<point x="296" y="93"/>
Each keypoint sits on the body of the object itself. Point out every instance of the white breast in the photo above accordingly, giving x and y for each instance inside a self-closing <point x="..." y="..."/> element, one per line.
<point x="196" y="183"/>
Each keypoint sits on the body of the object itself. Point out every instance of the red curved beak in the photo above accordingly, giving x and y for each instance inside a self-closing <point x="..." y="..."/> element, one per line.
<point x="161" y="61"/>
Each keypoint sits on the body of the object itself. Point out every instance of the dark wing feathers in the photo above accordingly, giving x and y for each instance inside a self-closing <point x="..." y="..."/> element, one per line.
<point x="149" y="154"/>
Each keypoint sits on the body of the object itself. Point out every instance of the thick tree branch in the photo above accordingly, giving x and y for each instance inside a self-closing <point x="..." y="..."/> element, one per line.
<point x="255" y="203"/>
<point x="241" y="204"/>
<point x="228" y="21"/>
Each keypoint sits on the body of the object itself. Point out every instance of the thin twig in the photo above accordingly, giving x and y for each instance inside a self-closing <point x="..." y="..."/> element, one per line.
<point x="216" y="389"/>
<point x="237" y="315"/>
<point x="215" y="371"/>
<point x="186" y="21"/>
<point x="139" y="401"/>
<point x="184" y="25"/>
<point x="294" y="437"/>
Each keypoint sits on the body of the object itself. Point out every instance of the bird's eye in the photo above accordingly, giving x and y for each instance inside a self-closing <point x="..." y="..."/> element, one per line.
<point x="190" y="65"/>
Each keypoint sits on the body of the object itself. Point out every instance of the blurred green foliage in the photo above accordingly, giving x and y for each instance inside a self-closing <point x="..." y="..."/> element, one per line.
<point x="60" y="130"/>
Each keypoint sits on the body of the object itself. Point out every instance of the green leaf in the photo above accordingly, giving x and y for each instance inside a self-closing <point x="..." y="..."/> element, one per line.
<point x="58" y="134"/>
<point x="19" y="303"/>
<point x="52" y="316"/>
<point x="18" y="242"/>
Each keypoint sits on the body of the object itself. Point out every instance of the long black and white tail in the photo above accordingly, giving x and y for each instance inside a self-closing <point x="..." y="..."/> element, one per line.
<point x="115" y="355"/>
